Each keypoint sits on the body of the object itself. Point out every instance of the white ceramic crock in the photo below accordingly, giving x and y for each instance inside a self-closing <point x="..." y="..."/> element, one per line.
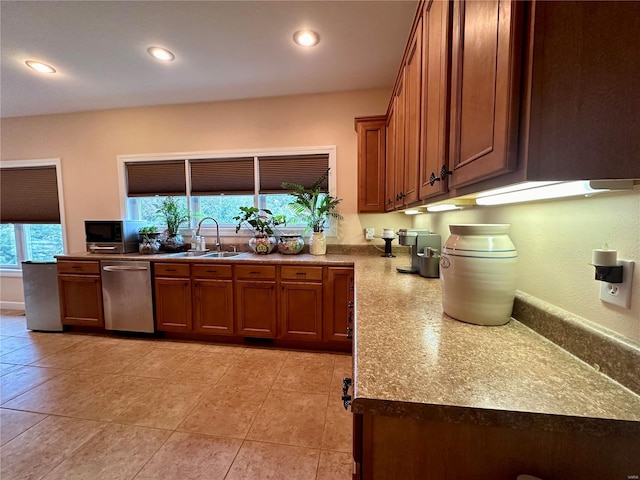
<point x="318" y="244"/>
<point x="478" y="274"/>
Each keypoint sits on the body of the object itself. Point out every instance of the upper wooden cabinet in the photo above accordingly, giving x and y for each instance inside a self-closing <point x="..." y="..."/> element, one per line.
<point x="435" y="98"/>
<point x="485" y="89"/>
<point x="514" y="91"/>
<point x="371" y="163"/>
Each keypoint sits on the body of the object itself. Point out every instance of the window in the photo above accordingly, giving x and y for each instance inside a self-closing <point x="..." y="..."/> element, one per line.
<point x="30" y="213"/>
<point x="217" y="185"/>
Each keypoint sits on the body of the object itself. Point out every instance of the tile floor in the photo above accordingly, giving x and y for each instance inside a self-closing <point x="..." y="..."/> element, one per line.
<point x="76" y="406"/>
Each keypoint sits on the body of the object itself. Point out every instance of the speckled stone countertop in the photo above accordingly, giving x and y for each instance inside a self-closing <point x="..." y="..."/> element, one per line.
<point x="411" y="360"/>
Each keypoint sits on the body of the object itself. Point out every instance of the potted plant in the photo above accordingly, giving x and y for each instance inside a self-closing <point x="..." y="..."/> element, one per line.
<point x="149" y="243"/>
<point x="263" y="223"/>
<point x="314" y="207"/>
<point x="174" y="215"/>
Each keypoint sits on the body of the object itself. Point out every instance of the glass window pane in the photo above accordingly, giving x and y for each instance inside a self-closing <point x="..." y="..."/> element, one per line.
<point x="279" y="205"/>
<point x="8" y="252"/>
<point x="42" y="242"/>
<point x="146" y="208"/>
<point x="222" y="207"/>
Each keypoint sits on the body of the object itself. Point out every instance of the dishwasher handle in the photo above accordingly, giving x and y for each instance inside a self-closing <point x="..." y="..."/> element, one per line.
<point x="124" y="268"/>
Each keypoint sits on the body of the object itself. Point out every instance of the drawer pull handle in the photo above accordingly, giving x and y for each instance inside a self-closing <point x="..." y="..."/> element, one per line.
<point x="171" y="269"/>
<point x="301" y="273"/>
<point x="212" y="271"/>
<point x="349" y="332"/>
<point x="76" y="267"/>
<point x="254" y="273"/>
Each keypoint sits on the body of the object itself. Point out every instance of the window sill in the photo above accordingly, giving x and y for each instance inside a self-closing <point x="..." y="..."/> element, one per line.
<point x="10" y="272"/>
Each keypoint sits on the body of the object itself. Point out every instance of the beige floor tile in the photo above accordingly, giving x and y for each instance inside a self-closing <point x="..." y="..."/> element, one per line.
<point x="9" y="367"/>
<point x="36" y="351"/>
<point x="306" y="373"/>
<point x="335" y="466"/>
<point x="14" y="328"/>
<point x="15" y="422"/>
<point x="115" y="359"/>
<point x="180" y="345"/>
<point x="79" y="394"/>
<point x="41" y="448"/>
<point x="225" y="411"/>
<point x="205" y="367"/>
<point x="159" y="363"/>
<point x="253" y="370"/>
<point x="262" y="353"/>
<point x="9" y="344"/>
<point x="291" y="418"/>
<point x="160" y="403"/>
<point x="264" y="461"/>
<point x="191" y="456"/>
<point x="82" y="352"/>
<point x="117" y="452"/>
<point x="338" y="427"/>
<point x="20" y="381"/>
<point x="223" y="348"/>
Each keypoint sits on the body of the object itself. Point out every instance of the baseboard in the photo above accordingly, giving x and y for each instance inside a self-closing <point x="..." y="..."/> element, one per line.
<point x="12" y="305"/>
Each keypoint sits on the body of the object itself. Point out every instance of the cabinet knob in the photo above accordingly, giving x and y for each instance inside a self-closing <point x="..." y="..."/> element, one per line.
<point x="444" y="172"/>
<point x="349" y="332"/>
<point x="346" y="383"/>
<point x="433" y="179"/>
<point x="346" y="401"/>
<point x="350" y="304"/>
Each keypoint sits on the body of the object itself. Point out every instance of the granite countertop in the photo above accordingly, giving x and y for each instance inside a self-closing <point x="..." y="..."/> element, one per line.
<point x="411" y="360"/>
<point x="242" y="257"/>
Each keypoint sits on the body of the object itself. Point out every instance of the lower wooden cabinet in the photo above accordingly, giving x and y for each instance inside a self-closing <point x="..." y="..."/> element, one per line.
<point x="173" y="297"/>
<point x="301" y="303"/>
<point x="339" y="304"/>
<point x="256" y="308"/>
<point x="213" y="299"/>
<point x="80" y="290"/>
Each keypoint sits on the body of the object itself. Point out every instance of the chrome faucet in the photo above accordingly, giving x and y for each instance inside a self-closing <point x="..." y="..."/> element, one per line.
<point x="217" y="231"/>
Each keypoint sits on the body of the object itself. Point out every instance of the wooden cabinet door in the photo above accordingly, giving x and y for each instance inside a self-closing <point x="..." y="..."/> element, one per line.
<point x="173" y="304"/>
<point x="412" y="119"/>
<point x="371" y="163"/>
<point x="435" y="104"/>
<point x="338" y="305"/>
<point x="256" y="308"/>
<point x="399" y="105"/>
<point x="390" y="161"/>
<point x="485" y="89"/>
<point x="81" y="300"/>
<point x="301" y="310"/>
<point x="213" y="307"/>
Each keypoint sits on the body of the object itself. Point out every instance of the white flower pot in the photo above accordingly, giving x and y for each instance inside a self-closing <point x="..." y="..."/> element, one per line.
<point x="478" y="274"/>
<point x="318" y="244"/>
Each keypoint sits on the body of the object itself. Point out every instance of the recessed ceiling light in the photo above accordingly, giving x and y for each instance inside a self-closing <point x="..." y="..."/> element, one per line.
<point x="161" y="53"/>
<point x="306" y="38"/>
<point x="40" y="67"/>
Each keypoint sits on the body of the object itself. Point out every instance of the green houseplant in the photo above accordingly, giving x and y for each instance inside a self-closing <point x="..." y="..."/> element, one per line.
<point x="263" y="223"/>
<point x="174" y="215"/>
<point x="314" y="207"/>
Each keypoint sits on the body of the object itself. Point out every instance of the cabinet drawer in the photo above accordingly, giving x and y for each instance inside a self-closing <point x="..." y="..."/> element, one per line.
<point x="90" y="267"/>
<point x="256" y="271"/>
<point x="293" y="272"/>
<point x="171" y="269"/>
<point x="211" y="271"/>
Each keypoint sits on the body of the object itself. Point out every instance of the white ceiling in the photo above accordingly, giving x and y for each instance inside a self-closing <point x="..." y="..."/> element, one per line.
<point x="224" y="50"/>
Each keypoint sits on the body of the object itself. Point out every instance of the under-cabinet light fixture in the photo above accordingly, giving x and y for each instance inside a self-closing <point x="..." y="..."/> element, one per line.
<point x="413" y="211"/>
<point x="442" y="208"/>
<point x="40" y="67"/>
<point x="160" y="53"/>
<point x="532" y="191"/>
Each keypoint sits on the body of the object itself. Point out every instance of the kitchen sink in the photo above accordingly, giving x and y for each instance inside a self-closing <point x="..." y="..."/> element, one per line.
<point x="204" y="254"/>
<point x="222" y="254"/>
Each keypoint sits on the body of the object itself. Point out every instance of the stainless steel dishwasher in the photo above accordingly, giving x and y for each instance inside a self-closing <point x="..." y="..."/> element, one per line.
<point x="127" y="296"/>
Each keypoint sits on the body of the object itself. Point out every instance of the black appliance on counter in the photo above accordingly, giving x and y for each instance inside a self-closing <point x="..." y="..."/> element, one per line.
<point x="112" y="236"/>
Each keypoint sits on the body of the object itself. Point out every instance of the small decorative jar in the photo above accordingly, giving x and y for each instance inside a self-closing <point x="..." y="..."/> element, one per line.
<point x="318" y="244"/>
<point x="149" y="244"/>
<point x="478" y="272"/>
<point x="172" y="243"/>
<point x="290" y="244"/>
<point x="262" y="245"/>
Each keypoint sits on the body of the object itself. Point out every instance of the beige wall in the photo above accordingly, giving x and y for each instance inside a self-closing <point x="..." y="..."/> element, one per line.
<point x="554" y="242"/>
<point x="88" y="144"/>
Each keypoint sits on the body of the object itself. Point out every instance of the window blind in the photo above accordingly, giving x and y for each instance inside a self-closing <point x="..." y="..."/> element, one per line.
<point x="301" y="169"/>
<point x="229" y="176"/>
<point x="29" y="195"/>
<point x="146" y="179"/>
